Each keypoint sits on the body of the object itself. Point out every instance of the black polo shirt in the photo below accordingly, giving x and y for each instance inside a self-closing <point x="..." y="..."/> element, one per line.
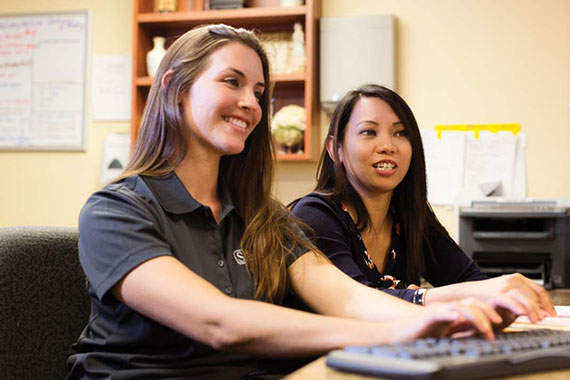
<point x="128" y="223"/>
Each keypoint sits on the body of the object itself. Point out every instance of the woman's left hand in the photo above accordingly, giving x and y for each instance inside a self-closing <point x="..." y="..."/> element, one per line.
<point x="512" y="295"/>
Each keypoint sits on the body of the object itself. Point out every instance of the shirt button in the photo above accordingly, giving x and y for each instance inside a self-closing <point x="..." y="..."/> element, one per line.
<point x="221" y="263"/>
<point x="228" y="290"/>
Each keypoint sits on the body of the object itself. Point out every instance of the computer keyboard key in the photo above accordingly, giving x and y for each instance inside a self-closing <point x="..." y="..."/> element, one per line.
<point x="358" y="349"/>
<point x="385" y="352"/>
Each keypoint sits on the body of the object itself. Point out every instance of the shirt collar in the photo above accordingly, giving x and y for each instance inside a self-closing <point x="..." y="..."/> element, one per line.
<point x="226" y="199"/>
<point x="174" y="198"/>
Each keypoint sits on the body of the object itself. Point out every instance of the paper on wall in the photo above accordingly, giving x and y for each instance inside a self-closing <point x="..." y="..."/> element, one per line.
<point x="111" y="86"/>
<point x="115" y="155"/>
<point x="491" y="158"/>
<point x="444" y="165"/>
<point x="519" y="180"/>
<point x="461" y="169"/>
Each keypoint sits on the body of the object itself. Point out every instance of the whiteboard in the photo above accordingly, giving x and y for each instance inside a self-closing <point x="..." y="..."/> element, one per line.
<point x="42" y="80"/>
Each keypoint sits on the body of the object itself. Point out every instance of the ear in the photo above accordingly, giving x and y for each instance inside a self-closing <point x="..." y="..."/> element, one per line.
<point x="165" y="78"/>
<point x="164" y="82"/>
<point x="331" y="149"/>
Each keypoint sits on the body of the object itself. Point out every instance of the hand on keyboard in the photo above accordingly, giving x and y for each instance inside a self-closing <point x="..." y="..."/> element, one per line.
<point x="512" y="295"/>
<point x="445" y="319"/>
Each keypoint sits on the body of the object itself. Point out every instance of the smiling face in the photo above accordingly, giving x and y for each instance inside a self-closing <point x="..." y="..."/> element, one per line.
<point x="375" y="151"/>
<point x="222" y="108"/>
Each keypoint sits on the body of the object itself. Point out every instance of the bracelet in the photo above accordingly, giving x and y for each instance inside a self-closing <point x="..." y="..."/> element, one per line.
<point x="418" y="297"/>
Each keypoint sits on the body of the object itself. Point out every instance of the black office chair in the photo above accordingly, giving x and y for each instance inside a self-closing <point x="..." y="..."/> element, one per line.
<point x="43" y="301"/>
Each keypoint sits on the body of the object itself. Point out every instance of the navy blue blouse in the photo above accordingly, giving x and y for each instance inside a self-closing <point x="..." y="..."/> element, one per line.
<point x="336" y="235"/>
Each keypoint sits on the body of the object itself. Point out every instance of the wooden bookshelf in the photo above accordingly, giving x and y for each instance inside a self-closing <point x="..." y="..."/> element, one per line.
<point x="265" y="16"/>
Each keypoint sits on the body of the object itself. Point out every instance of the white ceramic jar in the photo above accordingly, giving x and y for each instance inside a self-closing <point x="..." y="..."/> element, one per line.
<point x="291" y="3"/>
<point x="154" y="56"/>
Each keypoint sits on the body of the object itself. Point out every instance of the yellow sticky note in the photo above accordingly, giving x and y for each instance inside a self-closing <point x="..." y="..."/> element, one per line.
<point x="476" y="128"/>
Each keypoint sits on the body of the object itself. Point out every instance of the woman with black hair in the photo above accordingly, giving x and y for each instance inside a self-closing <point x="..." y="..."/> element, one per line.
<point x="370" y="215"/>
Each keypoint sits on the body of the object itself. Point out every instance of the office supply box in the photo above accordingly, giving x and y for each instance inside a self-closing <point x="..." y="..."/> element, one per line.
<point x="531" y="238"/>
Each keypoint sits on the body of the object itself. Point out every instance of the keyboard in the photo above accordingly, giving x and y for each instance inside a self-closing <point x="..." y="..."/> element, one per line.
<point x="509" y="354"/>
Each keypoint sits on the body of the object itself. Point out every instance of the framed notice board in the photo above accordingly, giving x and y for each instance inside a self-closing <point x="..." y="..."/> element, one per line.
<point x="43" y="61"/>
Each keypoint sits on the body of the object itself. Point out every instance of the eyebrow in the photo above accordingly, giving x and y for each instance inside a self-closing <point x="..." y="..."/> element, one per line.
<point x="241" y="74"/>
<point x="375" y="123"/>
<point x="366" y="121"/>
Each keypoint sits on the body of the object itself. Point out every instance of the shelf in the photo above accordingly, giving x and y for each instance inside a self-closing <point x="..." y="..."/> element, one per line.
<point x="264" y="16"/>
<point x="244" y="16"/>
<point x="277" y="78"/>
<point x="144" y="81"/>
<point x="289" y="78"/>
<point x="293" y="157"/>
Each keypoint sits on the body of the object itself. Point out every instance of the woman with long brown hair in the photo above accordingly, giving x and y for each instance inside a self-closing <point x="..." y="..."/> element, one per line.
<point x="370" y="215"/>
<point x="188" y="257"/>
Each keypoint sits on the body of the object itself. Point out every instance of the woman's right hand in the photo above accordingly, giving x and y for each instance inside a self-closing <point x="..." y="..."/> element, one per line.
<point x="445" y="319"/>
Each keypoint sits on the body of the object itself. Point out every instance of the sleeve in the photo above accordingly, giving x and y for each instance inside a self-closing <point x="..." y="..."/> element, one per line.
<point x="117" y="232"/>
<point x="405" y="294"/>
<point x="298" y="250"/>
<point x="330" y="234"/>
<point x="446" y="263"/>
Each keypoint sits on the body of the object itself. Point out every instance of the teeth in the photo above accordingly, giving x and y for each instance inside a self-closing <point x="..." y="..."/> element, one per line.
<point x="238" y="122"/>
<point x="384" y="166"/>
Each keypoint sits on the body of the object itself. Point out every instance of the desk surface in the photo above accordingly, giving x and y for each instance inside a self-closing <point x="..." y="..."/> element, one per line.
<point x="318" y="369"/>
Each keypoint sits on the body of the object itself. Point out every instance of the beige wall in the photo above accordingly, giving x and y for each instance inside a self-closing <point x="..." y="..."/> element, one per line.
<point x="458" y="61"/>
<point x="478" y="61"/>
<point x="49" y="188"/>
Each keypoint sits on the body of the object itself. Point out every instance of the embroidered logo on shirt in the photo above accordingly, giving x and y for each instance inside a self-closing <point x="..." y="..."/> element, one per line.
<point x="239" y="257"/>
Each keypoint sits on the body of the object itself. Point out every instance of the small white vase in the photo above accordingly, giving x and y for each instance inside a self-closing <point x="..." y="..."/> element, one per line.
<point x="291" y="3"/>
<point x="154" y="56"/>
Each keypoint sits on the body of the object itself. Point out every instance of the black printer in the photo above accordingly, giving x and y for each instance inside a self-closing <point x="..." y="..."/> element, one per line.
<point x="527" y="237"/>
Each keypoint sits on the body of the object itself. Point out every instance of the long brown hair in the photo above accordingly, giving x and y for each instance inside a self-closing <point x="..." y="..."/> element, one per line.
<point x="270" y="233"/>
<point x="409" y="199"/>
